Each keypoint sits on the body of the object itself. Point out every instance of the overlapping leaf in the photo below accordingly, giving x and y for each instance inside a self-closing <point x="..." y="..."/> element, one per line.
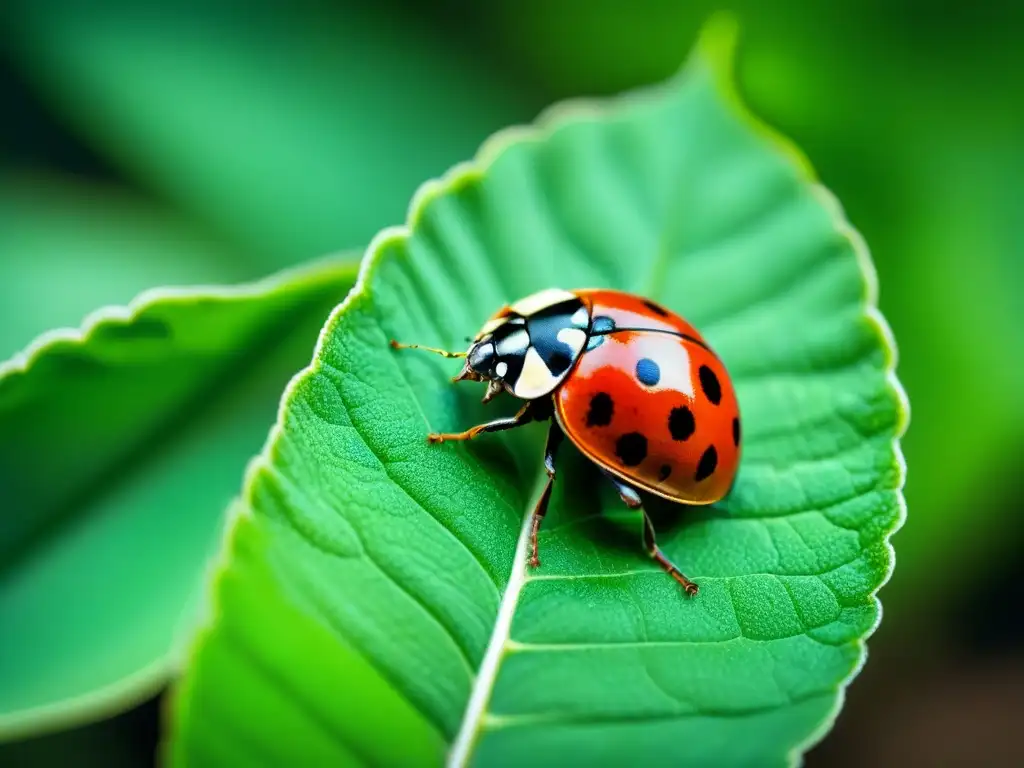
<point x="120" y="444"/>
<point x="374" y="604"/>
<point x="68" y="247"/>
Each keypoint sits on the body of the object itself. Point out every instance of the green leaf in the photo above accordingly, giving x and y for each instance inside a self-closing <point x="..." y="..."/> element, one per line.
<point x="803" y="70"/>
<point x="67" y="247"/>
<point x="358" y="546"/>
<point x="120" y="445"/>
<point x="900" y="184"/>
<point x="301" y="130"/>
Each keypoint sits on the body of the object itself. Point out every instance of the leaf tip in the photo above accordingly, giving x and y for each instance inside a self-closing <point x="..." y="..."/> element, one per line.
<point x="716" y="46"/>
<point x="716" y="41"/>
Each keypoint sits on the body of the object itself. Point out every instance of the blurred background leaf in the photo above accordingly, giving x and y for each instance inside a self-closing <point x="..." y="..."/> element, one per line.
<point x="68" y="246"/>
<point x="120" y="448"/>
<point x="295" y="130"/>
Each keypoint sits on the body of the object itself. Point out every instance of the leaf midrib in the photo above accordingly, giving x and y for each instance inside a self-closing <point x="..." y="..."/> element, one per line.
<point x="476" y="719"/>
<point x="487" y="676"/>
<point x="476" y="715"/>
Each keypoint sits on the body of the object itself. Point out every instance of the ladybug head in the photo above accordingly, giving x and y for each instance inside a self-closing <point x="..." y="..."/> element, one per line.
<point x="483" y="363"/>
<point x="529" y="347"/>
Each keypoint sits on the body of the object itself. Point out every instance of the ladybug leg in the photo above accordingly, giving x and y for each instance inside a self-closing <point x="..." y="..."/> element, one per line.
<point x="631" y="498"/>
<point x="555" y="436"/>
<point x="526" y="414"/>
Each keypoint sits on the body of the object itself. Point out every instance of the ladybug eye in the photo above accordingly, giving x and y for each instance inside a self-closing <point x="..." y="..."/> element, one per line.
<point x="481" y="358"/>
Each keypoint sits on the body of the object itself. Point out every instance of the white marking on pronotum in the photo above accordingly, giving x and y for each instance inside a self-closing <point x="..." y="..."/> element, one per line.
<point x="501" y="369"/>
<point x="573" y="338"/>
<point x="491" y="326"/>
<point x="580" y="318"/>
<point x="535" y="302"/>
<point x="535" y="380"/>
<point x="483" y="687"/>
<point x="513" y="344"/>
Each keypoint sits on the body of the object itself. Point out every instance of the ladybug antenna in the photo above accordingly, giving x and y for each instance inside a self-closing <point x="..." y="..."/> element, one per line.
<point x="435" y="350"/>
<point x="666" y="331"/>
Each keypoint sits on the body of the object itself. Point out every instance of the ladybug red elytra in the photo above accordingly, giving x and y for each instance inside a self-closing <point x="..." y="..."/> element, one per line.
<point x="634" y="386"/>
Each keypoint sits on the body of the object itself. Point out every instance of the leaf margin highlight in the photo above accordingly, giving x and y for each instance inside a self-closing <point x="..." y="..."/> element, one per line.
<point x="131" y="690"/>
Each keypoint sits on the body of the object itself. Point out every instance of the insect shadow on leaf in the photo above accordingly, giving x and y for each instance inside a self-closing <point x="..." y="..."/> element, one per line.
<point x="583" y="494"/>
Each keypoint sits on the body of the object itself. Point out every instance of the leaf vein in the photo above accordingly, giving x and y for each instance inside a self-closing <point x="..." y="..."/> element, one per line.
<point x="385" y="464"/>
<point x="495" y="721"/>
<point x="464" y="652"/>
<point x="697" y="577"/>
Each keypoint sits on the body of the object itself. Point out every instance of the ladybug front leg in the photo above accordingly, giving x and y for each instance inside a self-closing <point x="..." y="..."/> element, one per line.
<point x="631" y="498"/>
<point x="525" y="416"/>
<point x="555" y="436"/>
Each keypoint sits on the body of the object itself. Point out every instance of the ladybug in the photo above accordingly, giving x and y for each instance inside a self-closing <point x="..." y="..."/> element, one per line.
<point x="632" y="385"/>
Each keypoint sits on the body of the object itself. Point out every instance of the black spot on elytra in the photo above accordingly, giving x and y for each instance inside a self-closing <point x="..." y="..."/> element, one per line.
<point x="655" y="308"/>
<point x="707" y="464"/>
<point x="681" y="423"/>
<point x="601" y="409"/>
<point x="648" y="372"/>
<point x="709" y="383"/>
<point x="664" y="472"/>
<point x="736" y="431"/>
<point x="631" y="448"/>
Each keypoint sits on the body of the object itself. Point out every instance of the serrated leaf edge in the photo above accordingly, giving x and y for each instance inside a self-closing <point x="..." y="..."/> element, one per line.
<point x="146" y="681"/>
<point x="123" y="314"/>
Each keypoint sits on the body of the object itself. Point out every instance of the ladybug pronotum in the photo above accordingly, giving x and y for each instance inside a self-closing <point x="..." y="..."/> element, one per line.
<point x="634" y="386"/>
